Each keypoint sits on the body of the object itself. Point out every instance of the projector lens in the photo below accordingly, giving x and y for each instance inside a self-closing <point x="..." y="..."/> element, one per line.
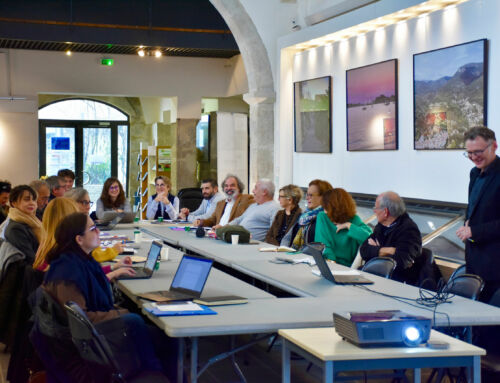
<point x="411" y="336"/>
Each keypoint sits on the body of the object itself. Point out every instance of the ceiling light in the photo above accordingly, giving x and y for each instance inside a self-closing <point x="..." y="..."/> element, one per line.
<point x="157" y="53"/>
<point x="68" y="53"/>
<point x="141" y="52"/>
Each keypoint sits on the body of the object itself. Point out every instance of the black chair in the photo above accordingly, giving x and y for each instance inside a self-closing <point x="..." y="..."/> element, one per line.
<point x="465" y="285"/>
<point x="94" y="348"/>
<point x="190" y="198"/>
<point x="381" y="266"/>
<point x="460" y="270"/>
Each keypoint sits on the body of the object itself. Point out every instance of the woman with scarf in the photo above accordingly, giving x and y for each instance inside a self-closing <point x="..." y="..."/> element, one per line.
<point x="163" y="203"/>
<point x="24" y="230"/>
<point x="307" y="221"/>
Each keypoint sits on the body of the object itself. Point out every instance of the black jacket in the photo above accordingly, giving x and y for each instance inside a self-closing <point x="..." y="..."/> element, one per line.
<point x="405" y="236"/>
<point x="482" y="251"/>
<point x="21" y="236"/>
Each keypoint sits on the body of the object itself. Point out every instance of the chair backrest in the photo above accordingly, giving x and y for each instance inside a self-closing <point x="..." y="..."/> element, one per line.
<point x="381" y="266"/>
<point x="460" y="270"/>
<point x="190" y="198"/>
<point x="465" y="285"/>
<point x="495" y="299"/>
<point x="90" y="344"/>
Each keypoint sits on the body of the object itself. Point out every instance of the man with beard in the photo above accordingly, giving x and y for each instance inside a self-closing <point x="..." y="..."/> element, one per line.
<point x="211" y="196"/>
<point x="232" y="206"/>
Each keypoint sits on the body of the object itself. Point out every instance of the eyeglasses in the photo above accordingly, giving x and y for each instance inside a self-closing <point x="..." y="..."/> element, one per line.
<point x="86" y="203"/>
<point x="159" y="185"/>
<point x="92" y="228"/>
<point x="476" y="153"/>
<point x="114" y="187"/>
<point x="308" y="195"/>
<point x="282" y="196"/>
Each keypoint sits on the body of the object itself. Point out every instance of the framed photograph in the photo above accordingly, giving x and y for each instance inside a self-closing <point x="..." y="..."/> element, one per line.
<point x="312" y="106"/>
<point x="372" y="107"/>
<point x="449" y="94"/>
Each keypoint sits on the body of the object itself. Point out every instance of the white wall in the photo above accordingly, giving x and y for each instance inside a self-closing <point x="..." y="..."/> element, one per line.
<point x="437" y="175"/>
<point x="34" y="72"/>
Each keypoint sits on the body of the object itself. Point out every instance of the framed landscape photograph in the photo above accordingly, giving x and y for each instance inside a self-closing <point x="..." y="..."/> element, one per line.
<point x="372" y="107"/>
<point x="312" y="110"/>
<point x="449" y="94"/>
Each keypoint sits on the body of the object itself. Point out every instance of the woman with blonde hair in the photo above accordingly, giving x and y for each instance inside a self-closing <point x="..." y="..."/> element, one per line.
<point x="339" y="228"/>
<point x="55" y="212"/>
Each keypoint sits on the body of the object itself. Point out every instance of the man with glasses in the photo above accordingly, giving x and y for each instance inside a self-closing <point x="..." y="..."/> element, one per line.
<point x="57" y="186"/>
<point x="481" y="230"/>
<point x="43" y="194"/>
<point x="396" y="235"/>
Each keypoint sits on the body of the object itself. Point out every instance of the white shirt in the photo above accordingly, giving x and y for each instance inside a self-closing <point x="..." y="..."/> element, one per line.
<point x="227" y="212"/>
<point x="206" y="208"/>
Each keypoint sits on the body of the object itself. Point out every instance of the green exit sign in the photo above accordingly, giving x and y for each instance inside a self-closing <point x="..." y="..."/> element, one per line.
<point x="107" y="62"/>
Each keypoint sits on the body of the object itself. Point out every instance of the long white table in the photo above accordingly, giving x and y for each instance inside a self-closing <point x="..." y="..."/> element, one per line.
<point x="316" y="300"/>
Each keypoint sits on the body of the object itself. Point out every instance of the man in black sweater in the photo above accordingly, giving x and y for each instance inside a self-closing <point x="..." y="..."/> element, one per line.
<point x="396" y="236"/>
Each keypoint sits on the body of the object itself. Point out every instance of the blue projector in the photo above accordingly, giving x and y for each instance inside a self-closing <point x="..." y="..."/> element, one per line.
<point x="382" y="328"/>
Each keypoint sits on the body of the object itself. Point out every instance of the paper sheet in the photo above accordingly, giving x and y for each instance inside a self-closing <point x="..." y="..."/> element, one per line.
<point x="185" y="306"/>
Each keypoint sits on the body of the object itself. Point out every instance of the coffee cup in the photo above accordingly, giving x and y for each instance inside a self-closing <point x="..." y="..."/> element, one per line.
<point x="164" y="253"/>
<point x="235" y="238"/>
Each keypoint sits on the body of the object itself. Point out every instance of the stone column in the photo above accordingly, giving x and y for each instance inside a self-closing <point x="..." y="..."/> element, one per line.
<point x="185" y="157"/>
<point x="261" y="137"/>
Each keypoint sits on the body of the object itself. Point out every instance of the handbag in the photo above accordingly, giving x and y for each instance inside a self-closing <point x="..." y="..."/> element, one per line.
<point x="225" y="233"/>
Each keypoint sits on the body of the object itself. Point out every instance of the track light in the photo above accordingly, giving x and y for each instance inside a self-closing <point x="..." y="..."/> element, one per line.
<point x="157" y="53"/>
<point x="141" y="52"/>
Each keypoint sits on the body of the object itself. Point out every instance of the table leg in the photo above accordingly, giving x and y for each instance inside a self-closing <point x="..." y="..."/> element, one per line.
<point x="476" y="369"/>
<point x="417" y="375"/>
<point x="194" y="360"/>
<point x="180" y="360"/>
<point x="328" y="372"/>
<point x="285" y="362"/>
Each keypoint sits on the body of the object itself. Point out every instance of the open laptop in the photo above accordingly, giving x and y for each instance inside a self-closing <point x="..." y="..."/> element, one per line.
<point x="110" y="225"/>
<point x="312" y="249"/>
<point x="126" y="217"/>
<point x="147" y="270"/>
<point x="188" y="283"/>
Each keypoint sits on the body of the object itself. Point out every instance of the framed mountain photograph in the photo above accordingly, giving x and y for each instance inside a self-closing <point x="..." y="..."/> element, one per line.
<point x="372" y="107"/>
<point x="312" y="107"/>
<point x="449" y="94"/>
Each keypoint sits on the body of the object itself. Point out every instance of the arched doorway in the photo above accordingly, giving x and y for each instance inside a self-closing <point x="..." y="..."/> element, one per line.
<point x="87" y="136"/>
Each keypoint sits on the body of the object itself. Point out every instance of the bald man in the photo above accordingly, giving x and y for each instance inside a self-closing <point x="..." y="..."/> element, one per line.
<point x="395" y="236"/>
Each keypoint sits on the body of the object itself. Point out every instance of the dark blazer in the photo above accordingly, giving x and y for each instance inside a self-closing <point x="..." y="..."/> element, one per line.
<point x="22" y="237"/>
<point x="240" y="205"/>
<point x="482" y="251"/>
<point x="275" y="228"/>
<point x="405" y="236"/>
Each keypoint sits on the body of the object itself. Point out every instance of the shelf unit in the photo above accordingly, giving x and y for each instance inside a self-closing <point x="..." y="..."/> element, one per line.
<point x="142" y="177"/>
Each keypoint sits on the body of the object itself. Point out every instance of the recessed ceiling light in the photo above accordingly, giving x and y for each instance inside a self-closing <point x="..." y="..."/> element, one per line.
<point x="141" y="52"/>
<point x="157" y="53"/>
<point x="68" y="53"/>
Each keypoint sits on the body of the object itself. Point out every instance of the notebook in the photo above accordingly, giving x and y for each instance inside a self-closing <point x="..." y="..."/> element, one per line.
<point x="149" y="266"/>
<point x="188" y="283"/>
<point x="327" y="273"/>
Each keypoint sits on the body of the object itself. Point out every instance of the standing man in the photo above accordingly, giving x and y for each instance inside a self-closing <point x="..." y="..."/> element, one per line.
<point x="211" y="197"/>
<point x="259" y="217"/>
<point x="481" y="231"/>
<point x="69" y="178"/>
<point x="232" y="206"/>
<point x="43" y="194"/>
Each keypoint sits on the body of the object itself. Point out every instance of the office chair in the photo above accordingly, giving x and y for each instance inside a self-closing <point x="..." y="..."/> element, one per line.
<point x="381" y="266"/>
<point x="460" y="270"/>
<point x="94" y="348"/>
<point x="190" y="198"/>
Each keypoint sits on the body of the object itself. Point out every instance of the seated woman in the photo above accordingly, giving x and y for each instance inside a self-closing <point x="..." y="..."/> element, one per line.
<point x="307" y="221"/>
<point x="163" y="204"/>
<point x="282" y="230"/>
<point x="112" y="198"/>
<point x="339" y="228"/>
<point x="24" y="230"/>
<point x="81" y="197"/>
<point x="55" y="212"/>
<point x="75" y="276"/>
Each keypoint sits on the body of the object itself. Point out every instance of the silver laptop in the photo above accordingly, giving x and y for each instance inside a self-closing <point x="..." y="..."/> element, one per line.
<point x="146" y="272"/>
<point x="126" y="217"/>
<point x="316" y="251"/>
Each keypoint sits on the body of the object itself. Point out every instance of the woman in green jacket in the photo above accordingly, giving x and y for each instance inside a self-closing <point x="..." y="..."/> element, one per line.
<point x="339" y="228"/>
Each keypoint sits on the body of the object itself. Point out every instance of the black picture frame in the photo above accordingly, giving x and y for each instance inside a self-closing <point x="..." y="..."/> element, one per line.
<point x="313" y="115"/>
<point x="372" y="107"/>
<point x="450" y="87"/>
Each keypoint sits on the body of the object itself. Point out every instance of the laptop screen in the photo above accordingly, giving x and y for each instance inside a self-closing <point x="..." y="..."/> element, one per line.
<point x="192" y="273"/>
<point x="154" y="253"/>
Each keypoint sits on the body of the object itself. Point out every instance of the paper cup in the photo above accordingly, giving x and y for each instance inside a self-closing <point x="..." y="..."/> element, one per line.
<point x="235" y="238"/>
<point x="164" y="253"/>
<point x="137" y="236"/>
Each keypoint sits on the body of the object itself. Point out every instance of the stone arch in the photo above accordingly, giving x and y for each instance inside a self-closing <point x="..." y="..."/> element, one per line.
<point x="261" y="94"/>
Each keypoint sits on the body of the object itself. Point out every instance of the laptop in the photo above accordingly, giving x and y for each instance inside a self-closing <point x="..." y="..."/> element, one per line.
<point x="188" y="283"/>
<point x="317" y="253"/>
<point x="127" y="217"/>
<point x="147" y="270"/>
<point x="106" y="226"/>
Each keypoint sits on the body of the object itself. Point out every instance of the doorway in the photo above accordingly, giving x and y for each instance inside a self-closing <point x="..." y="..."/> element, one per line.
<point x="87" y="136"/>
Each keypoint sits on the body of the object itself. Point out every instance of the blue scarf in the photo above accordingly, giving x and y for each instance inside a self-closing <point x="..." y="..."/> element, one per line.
<point x="86" y="273"/>
<point x="161" y="212"/>
<point x="309" y="215"/>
